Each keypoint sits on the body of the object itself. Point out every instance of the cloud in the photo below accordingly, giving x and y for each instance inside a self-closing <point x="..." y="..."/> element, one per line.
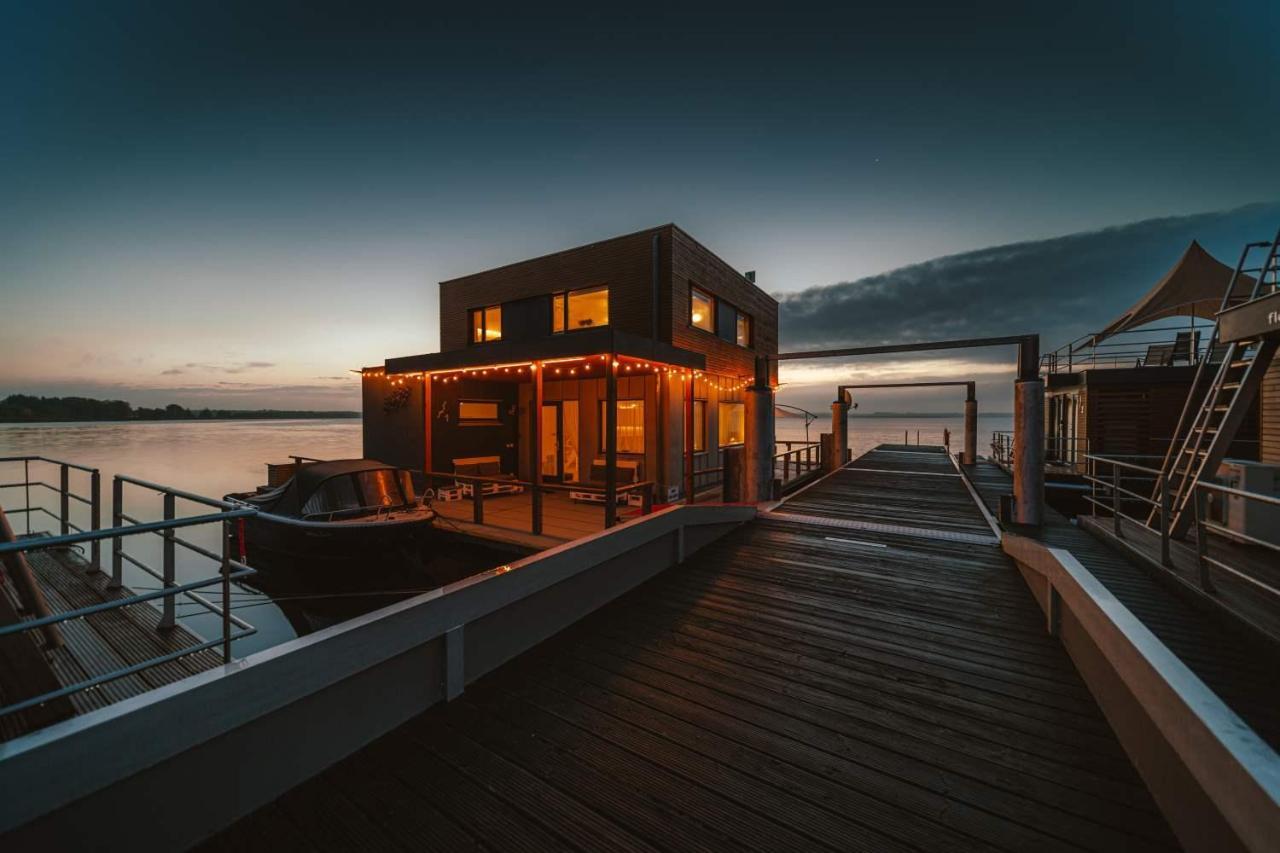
<point x="173" y="371"/>
<point x="233" y="367"/>
<point x="1062" y="287"/>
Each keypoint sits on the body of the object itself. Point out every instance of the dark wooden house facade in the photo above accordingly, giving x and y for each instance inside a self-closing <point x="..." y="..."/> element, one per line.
<point x="529" y="352"/>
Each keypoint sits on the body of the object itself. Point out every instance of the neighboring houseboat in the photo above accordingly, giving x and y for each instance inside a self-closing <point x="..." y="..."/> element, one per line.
<point x="650" y="331"/>
<point x="1121" y="391"/>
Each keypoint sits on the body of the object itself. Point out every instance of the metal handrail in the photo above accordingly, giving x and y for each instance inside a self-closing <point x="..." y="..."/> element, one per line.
<point x="230" y="569"/>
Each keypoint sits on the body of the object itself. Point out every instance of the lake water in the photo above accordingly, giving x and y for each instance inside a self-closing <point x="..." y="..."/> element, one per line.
<point x="213" y="458"/>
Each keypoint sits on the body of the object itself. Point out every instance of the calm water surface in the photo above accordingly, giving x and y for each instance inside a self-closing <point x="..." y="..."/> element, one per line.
<point x="216" y="457"/>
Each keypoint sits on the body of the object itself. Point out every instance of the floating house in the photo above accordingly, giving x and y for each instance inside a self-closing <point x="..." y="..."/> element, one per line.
<point x="650" y="332"/>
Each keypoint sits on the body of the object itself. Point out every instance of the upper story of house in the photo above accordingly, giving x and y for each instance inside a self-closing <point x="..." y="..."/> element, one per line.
<point x="659" y="283"/>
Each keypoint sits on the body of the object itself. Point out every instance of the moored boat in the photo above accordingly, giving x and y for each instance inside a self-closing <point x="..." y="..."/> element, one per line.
<point x="342" y="510"/>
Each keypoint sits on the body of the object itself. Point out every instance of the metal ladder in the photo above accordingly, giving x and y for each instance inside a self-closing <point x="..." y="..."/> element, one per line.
<point x="1206" y="430"/>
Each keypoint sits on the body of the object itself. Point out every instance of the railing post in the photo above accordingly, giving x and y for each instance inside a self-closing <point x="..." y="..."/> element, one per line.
<point x="477" y="502"/>
<point x="26" y="487"/>
<point x="117" y="542"/>
<point x="226" y="592"/>
<point x="64" y="504"/>
<point x="1165" y="560"/>
<point x="1202" y="542"/>
<point x="646" y="500"/>
<point x="786" y="467"/>
<point x="1115" y="497"/>
<point x="95" y="519"/>
<point x="167" y="614"/>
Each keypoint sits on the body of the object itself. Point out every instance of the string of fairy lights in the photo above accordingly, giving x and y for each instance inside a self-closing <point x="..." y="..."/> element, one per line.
<point x="584" y="368"/>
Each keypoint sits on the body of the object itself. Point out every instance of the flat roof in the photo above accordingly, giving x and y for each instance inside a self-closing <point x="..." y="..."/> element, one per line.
<point x="577" y="344"/>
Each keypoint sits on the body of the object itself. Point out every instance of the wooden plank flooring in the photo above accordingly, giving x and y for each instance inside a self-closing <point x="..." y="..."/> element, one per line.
<point x="1244" y="672"/>
<point x="106" y="641"/>
<point x="790" y="687"/>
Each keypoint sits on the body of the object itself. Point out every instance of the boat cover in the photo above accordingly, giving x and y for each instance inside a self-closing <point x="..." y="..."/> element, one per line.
<point x="290" y="498"/>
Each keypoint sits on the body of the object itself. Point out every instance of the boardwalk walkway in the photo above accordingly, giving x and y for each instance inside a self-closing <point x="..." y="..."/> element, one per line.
<point x="1231" y="661"/>
<point x="859" y="670"/>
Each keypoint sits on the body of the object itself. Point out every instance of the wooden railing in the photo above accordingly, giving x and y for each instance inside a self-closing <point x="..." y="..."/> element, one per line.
<point x="799" y="460"/>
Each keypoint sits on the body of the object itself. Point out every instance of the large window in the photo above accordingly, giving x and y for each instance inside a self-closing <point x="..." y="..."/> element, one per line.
<point x="744" y="330"/>
<point x="699" y="426"/>
<point x="580" y="309"/>
<point x="732" y="423"/>
<point x="630" y="426"/>
<point x="702" y="310"/>
<point x="486" y="324"/>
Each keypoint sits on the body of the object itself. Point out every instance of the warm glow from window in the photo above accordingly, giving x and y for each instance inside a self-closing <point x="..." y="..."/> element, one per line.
<point x="744" y="330"/>
<point x="699" y="426"/>
<point x="486" y="324"/>
<point x="630" y="426"/>
<point x="588" y="308"/>
<point x="732" y="423"/>
<point x="701" y="310"/>
<point x="557" y="313"/>
<point x="477" y="410"/>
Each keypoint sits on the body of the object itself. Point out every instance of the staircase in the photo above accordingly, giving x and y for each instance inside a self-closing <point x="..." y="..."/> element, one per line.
<point x="1225" y="386"/>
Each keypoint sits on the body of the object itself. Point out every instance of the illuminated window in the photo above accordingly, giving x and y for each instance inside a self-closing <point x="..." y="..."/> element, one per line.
<point x="699" y="426"/>
<point x="702" y="310"/>
<point x="486" y="324"/>
<point x="557" y="313"/>
<point x="580" y="309"/>
<point x="630" y="426"/>
<point x="732" y="423"/>
<point x="477" y="412"/>
<point x="744" y="330"/>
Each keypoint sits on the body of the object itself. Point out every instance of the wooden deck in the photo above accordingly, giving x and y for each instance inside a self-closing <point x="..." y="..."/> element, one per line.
<point x="103" y="642"/>
<point x="799" y="684"/>
<point x="1227" y="657"/>
<point x="508" y="519"/>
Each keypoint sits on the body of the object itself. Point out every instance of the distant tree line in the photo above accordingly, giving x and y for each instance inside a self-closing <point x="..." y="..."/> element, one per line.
<point x="18" y="408"/>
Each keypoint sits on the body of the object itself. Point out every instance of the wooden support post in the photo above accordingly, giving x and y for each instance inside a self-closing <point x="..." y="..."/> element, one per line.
<point x="64" y="503"/>
<point x="117" y="542"/>
<point x="427" y="418"/>
<point x="169" y="610"/>
<point x="688" y="441"/>
<point x="611" y="442"/>
<point x="535" y="452"/>
<point x="477" y="501"/>
<point x="95" y="519"/>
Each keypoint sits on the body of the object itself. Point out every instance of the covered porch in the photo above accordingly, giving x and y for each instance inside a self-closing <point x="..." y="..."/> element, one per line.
<point x="546" y="441"/>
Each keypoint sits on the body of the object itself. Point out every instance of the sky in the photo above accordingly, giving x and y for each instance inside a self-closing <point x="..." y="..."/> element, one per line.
<point x="235" y="204"/>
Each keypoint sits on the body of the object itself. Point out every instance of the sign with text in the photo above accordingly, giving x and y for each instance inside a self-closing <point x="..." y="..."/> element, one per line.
<point x="1250" y="320"/>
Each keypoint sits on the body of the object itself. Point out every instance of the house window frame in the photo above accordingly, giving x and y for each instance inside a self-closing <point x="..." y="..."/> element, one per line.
<point x="743" y="318"/>
<point x="496" y="420"/>
<point x="603" y="420"/>
<point x="483" y="313"/>
<point x="720" y="421"/>
<point x="564" y="297"/>
<point x="712" y="300"/>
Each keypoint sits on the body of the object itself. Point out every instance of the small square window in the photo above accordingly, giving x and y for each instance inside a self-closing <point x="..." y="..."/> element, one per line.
<point x="486" y="324"/>
<point x="733" y="423"/>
